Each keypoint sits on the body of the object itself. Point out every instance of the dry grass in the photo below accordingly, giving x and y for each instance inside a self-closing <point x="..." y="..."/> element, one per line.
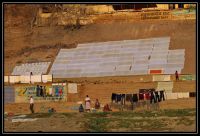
<point x="148" y="121"/>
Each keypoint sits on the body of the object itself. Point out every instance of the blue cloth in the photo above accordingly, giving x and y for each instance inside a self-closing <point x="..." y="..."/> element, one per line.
<point x="57" y="91"/>
<point x="118" y="97"/>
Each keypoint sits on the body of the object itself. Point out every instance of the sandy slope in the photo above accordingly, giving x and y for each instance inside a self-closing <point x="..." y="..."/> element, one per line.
<point x="21" y="47"/>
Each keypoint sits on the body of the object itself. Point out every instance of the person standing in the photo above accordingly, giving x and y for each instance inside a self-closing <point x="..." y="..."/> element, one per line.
<point x="60" y="92"/>
<point x="97" y="104"/>
<point x="38" y="91"/>
<point x="157" y="96"/>
<point x="30" y="77"/>
<point x="87" y="103"/>
<point x="147" y="99"/>
<point x="44" y="91"/>
<point x="177" y="76"/>
<point x="57" y="91"/>
<point x="81" y="109"/>
<point x="41" y="91"/>
<point x="31" y="104"/>
<point x="50" y="91"/>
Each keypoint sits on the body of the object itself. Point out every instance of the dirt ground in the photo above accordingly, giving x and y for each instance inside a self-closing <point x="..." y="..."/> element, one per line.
<point x="182" y="120"/>
<point x="42" y="107"/>
<point x="21" y="49"/>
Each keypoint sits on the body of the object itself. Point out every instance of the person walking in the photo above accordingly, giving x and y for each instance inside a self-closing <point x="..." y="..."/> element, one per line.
<point x="31" y="104"/>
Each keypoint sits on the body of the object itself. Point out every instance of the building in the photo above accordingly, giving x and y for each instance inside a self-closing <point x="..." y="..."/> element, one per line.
<point x="152" y="6"/>
<point x="109" y="8"/>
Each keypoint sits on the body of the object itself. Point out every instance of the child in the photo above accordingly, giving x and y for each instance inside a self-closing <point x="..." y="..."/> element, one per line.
<point x="97" y="104"/>
<point x="81" y="108"/>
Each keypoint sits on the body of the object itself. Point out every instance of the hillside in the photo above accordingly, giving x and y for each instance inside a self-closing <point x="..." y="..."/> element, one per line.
<point x="25" y="42"/>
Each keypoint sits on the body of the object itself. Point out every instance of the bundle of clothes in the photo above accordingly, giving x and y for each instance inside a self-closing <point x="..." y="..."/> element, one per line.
<point x="144" y="94"/>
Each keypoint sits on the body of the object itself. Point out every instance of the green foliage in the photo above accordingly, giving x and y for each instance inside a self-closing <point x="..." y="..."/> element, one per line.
<point x="134" y="114"/>
<point x="162" y="120"/>
<point x="97" y="124"/>
<point x="97" y="114"/>
<point x="124" y="123"/>
<point x="185" y="121"/>
<point x="177" y="112"/>
<point x="69" y="114"/>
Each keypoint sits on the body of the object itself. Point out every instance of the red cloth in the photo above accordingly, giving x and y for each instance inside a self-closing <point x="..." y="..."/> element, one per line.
<point x="10" y="114"/>
<point x="106" y="108"/>
<point x="176" y="74"/>
<point x="158" y="71"/>
<point x="141" y="96"/>
<point x="146" y="96"/>
<point x="60" y="92"/>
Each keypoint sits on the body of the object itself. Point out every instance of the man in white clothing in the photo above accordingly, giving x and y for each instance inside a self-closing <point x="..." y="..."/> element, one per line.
<point x="31" y="104"/>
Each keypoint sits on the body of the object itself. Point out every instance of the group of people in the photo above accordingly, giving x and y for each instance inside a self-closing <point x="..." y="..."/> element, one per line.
<point x="96" y="106"/>
<point x="41" y="91"/>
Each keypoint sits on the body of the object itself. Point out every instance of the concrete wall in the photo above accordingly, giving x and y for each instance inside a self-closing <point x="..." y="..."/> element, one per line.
<point x="162" y="6"/>
<point x="99" y="9"/>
